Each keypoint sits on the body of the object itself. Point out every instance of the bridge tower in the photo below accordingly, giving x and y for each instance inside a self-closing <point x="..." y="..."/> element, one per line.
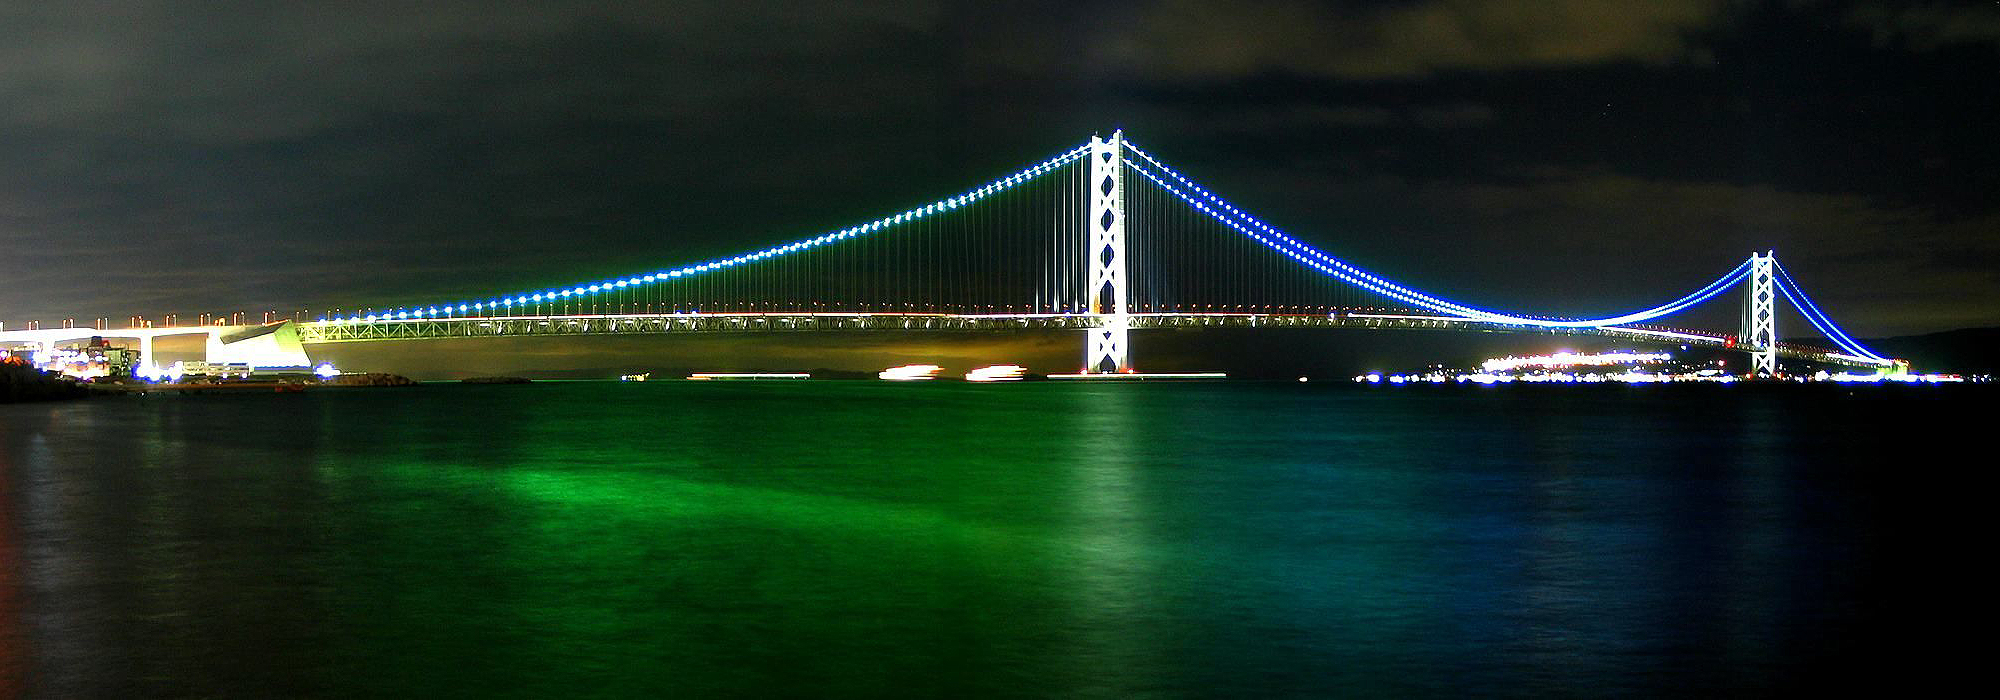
<point x="1106" y="350"/>
<point x="1760" y="318"/>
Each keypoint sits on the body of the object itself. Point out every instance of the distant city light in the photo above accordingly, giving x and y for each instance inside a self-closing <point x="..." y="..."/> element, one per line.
<point x="908" y="373"/>
<point x="997" y="373"/>
<point x="1571" y="359"/>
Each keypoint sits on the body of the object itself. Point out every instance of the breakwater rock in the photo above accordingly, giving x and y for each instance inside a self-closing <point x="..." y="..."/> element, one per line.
<point x="24" y="383"/>
<point x="496" y="380"/>
<point x="369" y="379"/>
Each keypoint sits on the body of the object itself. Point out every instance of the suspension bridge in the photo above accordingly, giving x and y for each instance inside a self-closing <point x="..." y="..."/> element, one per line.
<point x="1102" y="239"/>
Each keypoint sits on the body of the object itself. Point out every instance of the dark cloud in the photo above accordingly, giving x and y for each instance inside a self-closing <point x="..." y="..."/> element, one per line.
<point x="1563" y="155"/>
<point x="1929" y="25"/>
<point x="1185" y="38"/>
<point x="1302" y="117"/>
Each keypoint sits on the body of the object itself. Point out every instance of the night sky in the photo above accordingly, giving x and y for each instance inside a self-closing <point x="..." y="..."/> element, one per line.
<point x="1552" y="156"/>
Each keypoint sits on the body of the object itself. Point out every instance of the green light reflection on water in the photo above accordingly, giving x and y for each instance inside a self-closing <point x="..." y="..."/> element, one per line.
<point x="863" y="539"/>
<point x="583" y="547"/>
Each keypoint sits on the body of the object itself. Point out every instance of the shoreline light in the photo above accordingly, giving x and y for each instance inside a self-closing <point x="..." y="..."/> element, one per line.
<point x="1571" y="359"/>
<point x="909" y="373"/>
<point x="997" y="373"/>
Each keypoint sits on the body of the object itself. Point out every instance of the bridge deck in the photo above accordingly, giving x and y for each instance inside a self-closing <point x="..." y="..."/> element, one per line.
<point x="511" y="326"/>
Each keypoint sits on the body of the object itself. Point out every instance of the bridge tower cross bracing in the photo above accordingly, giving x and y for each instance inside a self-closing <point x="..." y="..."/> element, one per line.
<point x="1760" y="317"/>
<point x="1107" y="351"/>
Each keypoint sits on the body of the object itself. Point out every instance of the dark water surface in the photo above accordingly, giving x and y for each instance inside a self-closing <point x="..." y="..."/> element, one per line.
<point x="953" y="540"/>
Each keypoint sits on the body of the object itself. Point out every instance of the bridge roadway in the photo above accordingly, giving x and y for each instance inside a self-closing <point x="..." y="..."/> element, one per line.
<point x="222" y="343"/>
<point x="674" y="323"/>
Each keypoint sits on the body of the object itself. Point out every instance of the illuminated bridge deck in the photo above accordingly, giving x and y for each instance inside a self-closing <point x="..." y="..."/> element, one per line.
<point x="1101" y="237"/>
<point x="678" y="323"/>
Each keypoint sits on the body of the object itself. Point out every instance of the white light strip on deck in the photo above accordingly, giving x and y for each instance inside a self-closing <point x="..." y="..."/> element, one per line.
<point x="1144" y="375"/>
<point x="749" y="375"/>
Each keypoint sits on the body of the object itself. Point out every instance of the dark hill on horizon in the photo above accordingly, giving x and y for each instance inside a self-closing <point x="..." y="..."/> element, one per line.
<point x="1966" y="350"/>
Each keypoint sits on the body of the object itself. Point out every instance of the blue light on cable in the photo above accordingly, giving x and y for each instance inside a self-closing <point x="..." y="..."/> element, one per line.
<point x="1797" y="296"/>
<point x="968" y="197"/>
<point x="1355" y="276"/>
